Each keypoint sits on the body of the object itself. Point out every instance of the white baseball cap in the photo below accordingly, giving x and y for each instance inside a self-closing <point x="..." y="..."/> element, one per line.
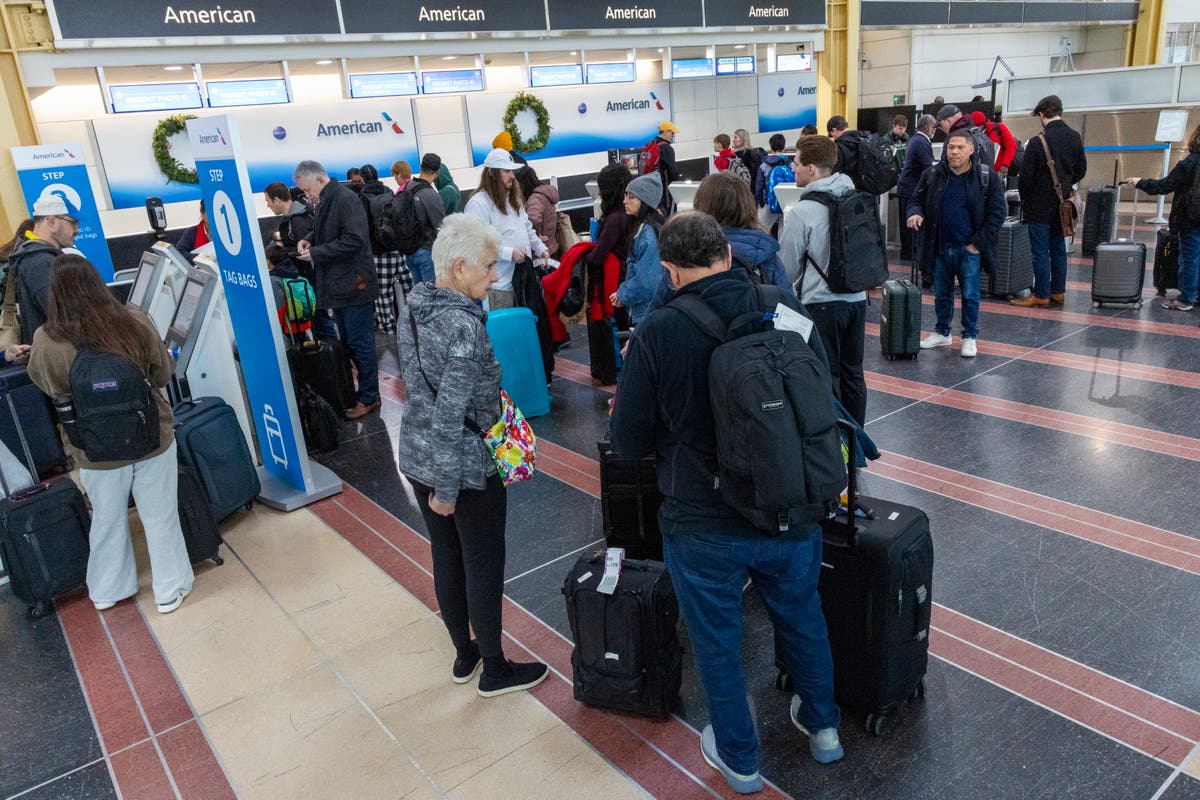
<point x="50" y="205"/>
<point x="500" y="159"/>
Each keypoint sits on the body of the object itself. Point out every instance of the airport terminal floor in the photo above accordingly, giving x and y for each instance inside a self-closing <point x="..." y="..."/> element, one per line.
<point x="1059" y="472"/>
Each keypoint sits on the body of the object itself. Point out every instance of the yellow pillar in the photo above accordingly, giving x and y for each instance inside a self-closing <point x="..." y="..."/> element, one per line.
<point x="1149" y="35"/>
<point x="24" y="27"/>
<point x="837" y="66"/>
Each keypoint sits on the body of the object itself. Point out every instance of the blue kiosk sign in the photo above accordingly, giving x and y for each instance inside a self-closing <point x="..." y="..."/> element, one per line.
<point x="289" y="479"/>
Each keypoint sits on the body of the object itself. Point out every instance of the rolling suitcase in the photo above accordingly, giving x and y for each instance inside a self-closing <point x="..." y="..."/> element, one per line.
<point x="1166" y="261"/>
<point x="325" y="366"/>
<point x="514" y="336"/>
<point x="876" y="590"/>
<point x="1118" y="271"/>
<point x="629" y="502"/>
<point x="900" y="319"/>
<point x="322" y="425"/>
<point x="1099" y="217"/>
<point x="1012" y="261"/>
<point x="210" y="441"/>
<point x="37" y="421"/>
<point x="43" y="534"/>
<point x="627" y="655"/>
<point x="200" y="532"/>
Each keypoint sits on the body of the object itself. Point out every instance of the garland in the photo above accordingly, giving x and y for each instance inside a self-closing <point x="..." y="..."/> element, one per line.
<point x="521" y="103"/>
<point x="170" y="166"/>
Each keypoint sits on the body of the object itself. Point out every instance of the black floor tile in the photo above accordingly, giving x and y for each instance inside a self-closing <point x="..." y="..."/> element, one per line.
<point x="93" y="782"/>
<point x="1182" y="788"/>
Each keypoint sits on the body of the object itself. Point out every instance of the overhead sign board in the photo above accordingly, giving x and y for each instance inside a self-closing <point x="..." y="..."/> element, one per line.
<point x="444" y="16"/>
<point x="158" y="19"/>
<point x="383" y="84"/>
<point x="726" y="14"/>
<point x="262" y="92"/>
<point x="155" y="97"/>
<point x="568" y="15"/>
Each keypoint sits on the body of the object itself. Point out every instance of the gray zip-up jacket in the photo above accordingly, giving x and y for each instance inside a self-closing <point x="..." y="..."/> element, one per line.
<point x="806" y="230"/>
<point x="436" y="448"/>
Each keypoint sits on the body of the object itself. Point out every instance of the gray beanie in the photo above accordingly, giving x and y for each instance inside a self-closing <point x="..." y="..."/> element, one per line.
<point x="647" y="188"/>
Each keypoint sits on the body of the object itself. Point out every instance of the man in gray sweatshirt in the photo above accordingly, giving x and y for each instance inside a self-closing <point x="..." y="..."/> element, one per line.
<point x="804" y="242"/>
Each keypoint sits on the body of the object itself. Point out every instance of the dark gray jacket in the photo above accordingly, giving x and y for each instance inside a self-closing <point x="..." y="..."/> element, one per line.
<point x="454" y="353"/>
<point x="431" y="210"/>
<point x="341" y="250"/>
<point x="29" y="265"/>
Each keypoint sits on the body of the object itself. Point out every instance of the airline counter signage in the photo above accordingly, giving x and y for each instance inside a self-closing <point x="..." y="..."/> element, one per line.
<point x="574" y="15"/>
<point x="48" y="170"/>
<point x="759" y="13"/>
<point x="444" y="16"/>
<point x="158" y="19"/>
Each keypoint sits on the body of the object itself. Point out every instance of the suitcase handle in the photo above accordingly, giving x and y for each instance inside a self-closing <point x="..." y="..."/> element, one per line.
<point x="849" y="528"/>
<point x="29" y="462"/>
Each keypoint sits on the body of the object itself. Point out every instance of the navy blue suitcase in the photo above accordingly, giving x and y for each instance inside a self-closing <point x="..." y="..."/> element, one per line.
<point x="210" y="442"/>
<point x="37" y="420"/>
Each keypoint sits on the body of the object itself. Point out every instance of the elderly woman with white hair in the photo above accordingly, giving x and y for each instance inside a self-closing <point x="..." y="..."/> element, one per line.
<point x="453" y="382"/>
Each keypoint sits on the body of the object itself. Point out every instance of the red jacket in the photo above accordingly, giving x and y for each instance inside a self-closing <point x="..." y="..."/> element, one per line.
<point x="998" y="132"/>
<point x="555" y="285"/>
<point x="723" y="158"/>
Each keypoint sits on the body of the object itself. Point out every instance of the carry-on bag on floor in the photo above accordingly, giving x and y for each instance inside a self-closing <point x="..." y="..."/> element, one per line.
<point x="1166" y="261"/>
<point x="514" y="336"/>
<point x="37" y="420"/>
<point x="900" y="319"/>
<point x="1118" y="271"/>
<point x="1099" y="217"/>
<point x="1012" y="261"/>
<point x="43" y="533"/>
<point x="627" y="655"/>
<point x="876" y="591"/>
<point x="322" y="425"/>
<point x="629" y="502"/>
<point x="209" y="440"/>
<point x="200" y="532"/>
<point x="325" y="366"/>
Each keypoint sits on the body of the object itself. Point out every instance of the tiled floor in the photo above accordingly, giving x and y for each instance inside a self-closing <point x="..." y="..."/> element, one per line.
<point x="1059" y="473"/>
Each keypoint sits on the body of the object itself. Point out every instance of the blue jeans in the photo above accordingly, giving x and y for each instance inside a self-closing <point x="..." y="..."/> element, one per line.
<point x="420" y="264"/>
<point x="956" y="262"/>
<point x="1189" y="265"/>
<point x="357" y="327"/>
<point x="1049" y="258"/>
<point x="324" y="327"/>
<point x="708" y="569"/>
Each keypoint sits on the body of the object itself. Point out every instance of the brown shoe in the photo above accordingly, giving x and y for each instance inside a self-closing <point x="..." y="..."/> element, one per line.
<point x="1032" y="301"/>
<point x="359" y="411"/>
<point x="1058" y="299"/>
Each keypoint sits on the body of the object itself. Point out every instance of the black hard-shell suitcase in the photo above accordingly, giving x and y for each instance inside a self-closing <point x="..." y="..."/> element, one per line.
<point x="209" y="440"/>
<point x="1099" y="217"/>
<point x="1166" y="261"/>
<point x="43" y="534"/>
<point x="37" y="421"/>
<point x="1012" y="262"/>
<point x="200" y="532"/>
<point x="629" y="502"/>
<point x="627" y="655"/>
<point x="325" y="366"/>
<point x="900" y="319"/>
<point x="876" y="591"/>
<point x="1118" y="272"/>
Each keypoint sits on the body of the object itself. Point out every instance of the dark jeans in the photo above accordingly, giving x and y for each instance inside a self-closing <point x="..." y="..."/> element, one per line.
<point x="956" y="262"/>
<point x="907" y="234"/>
<point x="324" y="328"/>
<point x="1189" y="265"/>
<point x="843" y="331"/>
<point x="357" y="327"/>
<point x="709" y="568"/>
<point x="420" y="264"/>
<point x="468" y="563"/>
<point x="1049" y="249"/>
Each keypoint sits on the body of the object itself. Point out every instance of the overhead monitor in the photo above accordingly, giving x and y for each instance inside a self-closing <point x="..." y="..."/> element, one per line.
<point x="615" y="72"/>
<point x="450" y="81"/>
<point x="383" y="84"/>
<point x="146" y="273"/>
<point x="259" y="92"/>
<point x="691" y="67"/>
<point x="793" y="62"/>
<point x="556" y="75"/>
<point x="155" y="97"/>
<point x="735" y="65"/>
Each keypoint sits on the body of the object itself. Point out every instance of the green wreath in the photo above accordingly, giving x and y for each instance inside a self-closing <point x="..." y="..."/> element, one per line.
<point x="172" y="167"/>
<point x="518" y="104"/>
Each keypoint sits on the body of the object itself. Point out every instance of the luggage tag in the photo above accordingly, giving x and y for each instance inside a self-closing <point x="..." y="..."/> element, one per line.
<point x="788" y="320"/>
<point x="612" y="570"/>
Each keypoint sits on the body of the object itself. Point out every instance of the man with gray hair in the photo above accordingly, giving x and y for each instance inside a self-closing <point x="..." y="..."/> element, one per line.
<point x="339" y="249"/>
<point x="918" y="157"/>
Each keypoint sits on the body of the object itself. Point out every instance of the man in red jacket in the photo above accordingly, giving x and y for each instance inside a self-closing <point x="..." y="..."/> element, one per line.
<point x="1006" y="143"/>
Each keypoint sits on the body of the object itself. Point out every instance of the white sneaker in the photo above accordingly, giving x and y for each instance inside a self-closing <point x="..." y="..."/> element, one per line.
<point x="935" y="340"/>
<point x="167" y="608"/>
<point x="968" y="348"/>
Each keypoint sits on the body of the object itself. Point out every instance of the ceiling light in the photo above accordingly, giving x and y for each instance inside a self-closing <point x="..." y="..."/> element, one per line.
<point x="573" y="52"/>
<point x="449" y="58"/>
<point x="739" y="47"/>
<point x="660" y="49"/>
<point x="173" y="68"/>
<point x="325" y="61"/>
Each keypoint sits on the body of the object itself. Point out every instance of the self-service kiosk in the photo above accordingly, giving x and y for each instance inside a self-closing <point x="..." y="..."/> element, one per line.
<point x="199" y="338"/>
<point x="158" y="286"/>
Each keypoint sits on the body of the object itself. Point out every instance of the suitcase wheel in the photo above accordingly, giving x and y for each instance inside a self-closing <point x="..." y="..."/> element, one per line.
<point x="1137" y="306"/>
<point x="218" y="560"/>
<point x="1095" y="304"/>
<point x="918" y="693"/>
<point x="40" y="609"/>
<point x="876" y="724"/>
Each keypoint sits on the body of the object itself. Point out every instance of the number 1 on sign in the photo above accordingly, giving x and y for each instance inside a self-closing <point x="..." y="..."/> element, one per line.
<point x="228" y="226"/>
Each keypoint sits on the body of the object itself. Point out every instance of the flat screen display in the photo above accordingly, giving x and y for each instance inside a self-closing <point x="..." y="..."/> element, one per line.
<point x="450" y="81"/>
<point x="735" y="65"/>
<point x="185" y="315"/>
<point x="615" y="72"/>
<point x="155" y="97"/>
<point x="141" y="282"/>
<point x="794" y="62"/>
<point x="264" y="92"/>
<point x="383" y="84"/>
<point x="556" y="75"/>
<point x="691" y="68"/>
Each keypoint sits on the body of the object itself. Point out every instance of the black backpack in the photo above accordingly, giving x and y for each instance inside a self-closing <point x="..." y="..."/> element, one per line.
<point x="985" y="148"/>
<point x="116" y="416"/>
<point x="295" y="227"/>
<point x="857" y="247"/>
<point x="399" y="227"/>
<point x="779" y="456"/>
<point x="869" y="161"/>
<point x="376" y="206"/>
<point x="757" y="276"/>
<point x="1014" y="166"/>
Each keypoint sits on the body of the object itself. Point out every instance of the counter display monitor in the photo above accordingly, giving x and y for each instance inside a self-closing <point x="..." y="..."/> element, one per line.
<point x="263" y="92"/>
<point x="383" y="84"/>
<point x="155" y="97"/>
<point x="556" y="75"/>
<point x="450" y="81"/>
<point x="616" y="72"/>
<point x="735" y="65"/>
<point x="691" y="68"/>
<point x="793" y="62"/>
<point x="141" y="282"/>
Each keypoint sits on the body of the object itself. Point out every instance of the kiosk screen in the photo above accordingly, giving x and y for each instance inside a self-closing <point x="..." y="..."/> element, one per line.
<point x="141" y="282"/>
<point x="185" y="315"/>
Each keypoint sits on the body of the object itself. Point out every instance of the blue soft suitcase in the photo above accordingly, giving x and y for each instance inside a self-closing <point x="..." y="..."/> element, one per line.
<point x="522" y="374"/>
<point x="209" y="440"/>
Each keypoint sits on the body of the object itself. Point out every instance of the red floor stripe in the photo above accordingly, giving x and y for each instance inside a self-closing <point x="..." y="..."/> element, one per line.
<point x="193" y="765"/>
<point x="140" y="774"/>
<point x="156" y="687"/>
<point x="1082" y="698"/>
<point x="649" y="763"/>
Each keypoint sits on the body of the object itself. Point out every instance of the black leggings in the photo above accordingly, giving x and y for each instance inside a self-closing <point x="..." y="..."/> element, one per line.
<point x="468" y="563"/>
